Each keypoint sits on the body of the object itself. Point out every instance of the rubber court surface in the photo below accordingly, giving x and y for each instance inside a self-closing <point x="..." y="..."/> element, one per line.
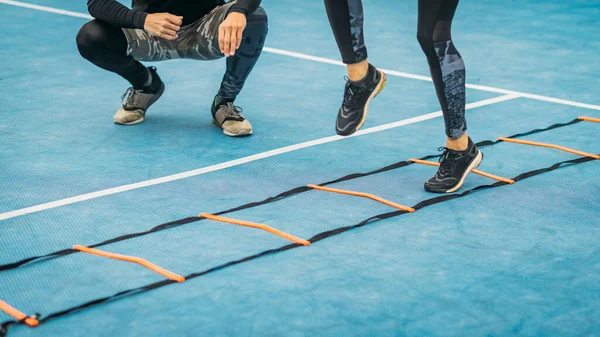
<point x="518" y="259"/>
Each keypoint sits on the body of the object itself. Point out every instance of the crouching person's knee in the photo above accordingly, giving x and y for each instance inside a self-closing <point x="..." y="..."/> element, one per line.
<point x="90" y="37"/>
<point x="257" y="26"/>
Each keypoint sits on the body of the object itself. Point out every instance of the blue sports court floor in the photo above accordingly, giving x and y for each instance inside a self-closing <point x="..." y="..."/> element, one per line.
<point x="504" y="260"/>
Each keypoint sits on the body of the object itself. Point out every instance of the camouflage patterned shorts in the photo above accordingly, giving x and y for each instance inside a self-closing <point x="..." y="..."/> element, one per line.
<point x="199" y="40"/>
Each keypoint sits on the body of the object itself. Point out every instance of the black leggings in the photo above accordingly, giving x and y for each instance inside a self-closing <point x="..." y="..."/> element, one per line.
<point x="106" y="46"/>
<point x="434" y="35"/>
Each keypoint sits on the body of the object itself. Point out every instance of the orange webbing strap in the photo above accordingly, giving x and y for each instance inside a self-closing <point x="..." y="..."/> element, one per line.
<point x="589" y="119"/>
<point x="481" y="173"/>
<point x="16" y="314"/>
<point x="256" y="225"/>
<point x="364" y="195"/>
<point x="552" y="146"/>
<point x="133" y="259"/>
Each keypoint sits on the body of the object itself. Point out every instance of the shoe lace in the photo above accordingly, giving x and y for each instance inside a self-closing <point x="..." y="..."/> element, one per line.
<point x="133" y="96"/>
<point x="349" y="93"/>
<point x="232" y="111"/>
<point x="447" y="161"/>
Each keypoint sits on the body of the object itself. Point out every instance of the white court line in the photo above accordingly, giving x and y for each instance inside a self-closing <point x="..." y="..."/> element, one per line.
<point x="46" y="9"/>
<point x="338" y="63"/>
<point x="236" y="162"/>
<point x="426" y="78"/>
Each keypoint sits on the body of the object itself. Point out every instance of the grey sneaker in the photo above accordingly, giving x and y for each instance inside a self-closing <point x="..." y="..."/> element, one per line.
<point x="137" y="101"/>
<point x="229" y="118"/>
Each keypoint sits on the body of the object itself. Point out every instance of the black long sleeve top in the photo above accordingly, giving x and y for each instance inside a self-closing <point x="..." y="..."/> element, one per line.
<point x="114" y="13"/>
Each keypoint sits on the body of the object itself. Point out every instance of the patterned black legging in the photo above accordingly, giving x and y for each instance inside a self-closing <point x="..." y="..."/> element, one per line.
<point x="434" y="35"/>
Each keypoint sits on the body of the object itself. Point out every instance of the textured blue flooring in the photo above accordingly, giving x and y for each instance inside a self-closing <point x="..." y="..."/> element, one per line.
<point x="520" y="260"/>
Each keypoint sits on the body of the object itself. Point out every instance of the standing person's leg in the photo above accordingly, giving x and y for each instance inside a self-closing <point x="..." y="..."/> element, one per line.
<point x="445" y="63"/>
<point x="346" y="19"/>
<point x="106" y="47"/>
<point x="364" y="80"/>
<point x="448" y="73"/>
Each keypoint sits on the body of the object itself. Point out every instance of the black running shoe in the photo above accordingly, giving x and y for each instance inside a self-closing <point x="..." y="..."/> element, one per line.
<point x="357" y="96"/>
<point x="454" y="168"/>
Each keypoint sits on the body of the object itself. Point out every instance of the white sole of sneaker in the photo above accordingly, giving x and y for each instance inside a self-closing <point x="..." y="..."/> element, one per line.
<point x="240" y="134"/>
<point x="231" y="134"/>
<point x="132" y="123"/>
<point x="474" y="165"/>
<point x="160" y="92"/>
<point x="376" y="92"/>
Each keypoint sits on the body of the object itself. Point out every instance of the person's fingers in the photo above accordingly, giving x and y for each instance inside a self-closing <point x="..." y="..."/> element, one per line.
<point x="222" y="38"/>
<point x="168" y="34"/>
<point x="234" y="40"/>
<point x="176" y="20"/>
<point x="171" y="27"/>
<point x="227" y="41"/>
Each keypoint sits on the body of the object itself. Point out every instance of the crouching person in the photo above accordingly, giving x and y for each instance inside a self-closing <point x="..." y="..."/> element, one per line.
<point x="158" y="30"/>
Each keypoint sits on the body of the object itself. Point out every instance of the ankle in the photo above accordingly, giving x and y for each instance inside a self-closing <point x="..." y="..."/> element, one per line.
<point x="220" y="100"/>
<point x="152" y="83"/>
<point x="358" y="71"/>
<point x="458" y="144"/>
<point x="142" y="81"/>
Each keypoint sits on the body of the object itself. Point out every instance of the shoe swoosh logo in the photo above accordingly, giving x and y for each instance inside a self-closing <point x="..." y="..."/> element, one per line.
<point x="442" y="179"/>
<point x="342" y="129"/>
<point x="345" y="113"/>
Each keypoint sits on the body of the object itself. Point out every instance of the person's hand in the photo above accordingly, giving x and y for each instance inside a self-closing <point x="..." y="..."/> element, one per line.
<point x="163" y="25"/>
<point x="230" y="33"/>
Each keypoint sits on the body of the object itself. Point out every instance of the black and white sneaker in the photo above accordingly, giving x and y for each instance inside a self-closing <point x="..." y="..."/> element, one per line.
<point x="137" y="101"/>
<point x="229" y="118"/>
<point x="454" y="168"/>
<point x="357" y="96"/>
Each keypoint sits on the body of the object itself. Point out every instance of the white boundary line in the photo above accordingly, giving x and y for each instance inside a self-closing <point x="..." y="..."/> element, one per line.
<point x="46" y="9"/>
<point x="338" y="63"/>
<point x="425" y="78"/>
<point x="237" y="162"/>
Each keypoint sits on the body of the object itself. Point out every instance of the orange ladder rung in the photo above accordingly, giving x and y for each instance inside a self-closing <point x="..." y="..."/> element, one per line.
<point x="256" y="225"/>
<point x="19" y="316"/>
<point x="589" y="119"/>
<point x="552" y="146"/>
<point x="364" y="195"/>
<point x="132" y="259"/>
<point x="481" y="173"/>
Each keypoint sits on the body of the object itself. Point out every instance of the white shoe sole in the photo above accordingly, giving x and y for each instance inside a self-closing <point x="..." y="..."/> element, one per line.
<point x="160" y="92"/>
<point x="131" y="123"/>
<point x="474" y="165"/>
<point x="239" y="134"/>
<point x="242" y="133"/>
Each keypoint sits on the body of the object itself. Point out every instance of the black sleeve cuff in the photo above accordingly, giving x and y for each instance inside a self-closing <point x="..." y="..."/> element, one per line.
<point x="245" y="7"/>
<point x="239" y="10"/>
<point x="139" y="19"/>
